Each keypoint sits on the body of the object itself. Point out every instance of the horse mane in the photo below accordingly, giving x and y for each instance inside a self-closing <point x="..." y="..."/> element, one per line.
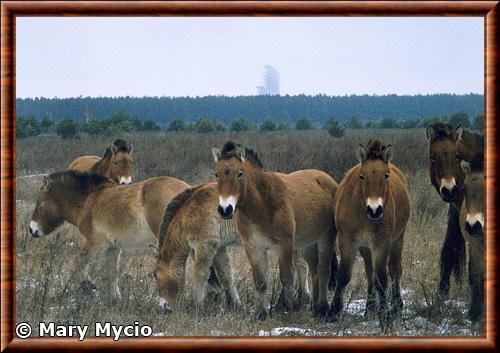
<point x="84" y="182"/>
<point x="121" y="145"/>
<point x="171" y="210"/>
<point x="473" y="139"/>
<point x="230" y="149"/>
<point x="442" y="130"/>
<point x="477" y="162"/>
<point x="374" y="149"/>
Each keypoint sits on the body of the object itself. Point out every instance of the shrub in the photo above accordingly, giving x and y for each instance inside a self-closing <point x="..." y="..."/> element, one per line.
<point x="387" y="123"/>
<point x="334" y="128"/>
<point x="150" y="125"/>
<point x="47" y="125"/>
<point x="67" y="128"/>
<point x="177" y="124"/>
<point x="304" y="124"/>
<point x="354" y="123"/>
<point x="241" y="124"/>
<point x="460" y="118"/>
<point x="478" y="122"/>
<point x="204" y="125"/>
<point x="27" y="126"/>
<point x="268" y="125"/>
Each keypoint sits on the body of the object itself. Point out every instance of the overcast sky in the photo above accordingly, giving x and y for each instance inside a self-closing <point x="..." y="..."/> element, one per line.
<point x="67" y="57"/>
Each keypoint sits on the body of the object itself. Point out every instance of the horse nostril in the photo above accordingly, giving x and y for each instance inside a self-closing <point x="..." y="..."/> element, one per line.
<point x="473" y="229"/>
<point x="379" y="211"/>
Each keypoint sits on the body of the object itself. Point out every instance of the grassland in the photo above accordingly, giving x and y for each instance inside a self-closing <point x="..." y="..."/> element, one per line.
<point x="44" y="266"/>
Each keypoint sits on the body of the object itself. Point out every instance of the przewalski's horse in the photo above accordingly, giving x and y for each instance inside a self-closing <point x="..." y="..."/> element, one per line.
<point x="371" y="212"/>
<point x="448" y="146"/>
<point x="191" y="222"/>
<point x="472" y="225"/>
<point x="286" y="212"/>
<point x="116" y="162"/>
<point x="124" y="217"/>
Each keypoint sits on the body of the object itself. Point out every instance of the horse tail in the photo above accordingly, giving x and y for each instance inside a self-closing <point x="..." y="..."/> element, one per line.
<point x="170" y="211"/>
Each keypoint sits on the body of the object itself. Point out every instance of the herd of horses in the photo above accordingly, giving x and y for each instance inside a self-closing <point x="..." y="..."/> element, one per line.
<point x="305" y="216"/>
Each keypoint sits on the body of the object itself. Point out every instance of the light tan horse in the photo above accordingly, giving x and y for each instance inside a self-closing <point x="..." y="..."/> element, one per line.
<point x="371" y="212"/>
<point x="122" y="217"/>
<point x="191" y="223"/>
<point x="116" y="162"/>
<point x="472" y="224"/>
<point x="286" y="212"/>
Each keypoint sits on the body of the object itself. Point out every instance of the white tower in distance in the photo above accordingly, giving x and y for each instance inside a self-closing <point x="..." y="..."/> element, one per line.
<point x="271" y="85"/>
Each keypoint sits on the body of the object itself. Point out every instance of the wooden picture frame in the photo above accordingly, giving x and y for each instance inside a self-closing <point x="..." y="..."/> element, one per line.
<point x="12" y="9"/>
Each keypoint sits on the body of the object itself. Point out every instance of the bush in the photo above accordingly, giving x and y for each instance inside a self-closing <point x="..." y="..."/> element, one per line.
<point x="47" y="125"/>
<point x="268" y="125"/>
<point x="304" y="124"/>
<point x="67" y="128"/>
<point x="433" y="119"/>
<point x="204" y="125"/>
<point x="177" y="124"/>
<point x="354" y="123"/>
<point x="334" y="128"/>
<point x="460" y="118"/>
<point x="387" y="123"/>
<point x="27" y="126"/>
<point x="150" y="125"/>
<point x="478" y="122"/>
<point x="241" y="124"/>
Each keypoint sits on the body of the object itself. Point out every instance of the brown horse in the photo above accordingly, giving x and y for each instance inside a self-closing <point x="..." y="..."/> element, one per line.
<point x="472" y="224"/>
<point x="447" y="148"/>
<point x="191" y="223"/>
<point x="371" y="212"/>
<point x="122" y="217"/>
<point x="116" y="163"/>
<point x="286" y="212"/>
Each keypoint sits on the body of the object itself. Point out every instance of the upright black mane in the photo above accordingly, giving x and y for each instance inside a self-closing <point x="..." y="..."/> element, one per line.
<point x="442" y="130"/>
<point x="230" y="149"/>
<point x="121" y="145"/>
<point x="374" y="149"/>
<point x="79" y="180"/>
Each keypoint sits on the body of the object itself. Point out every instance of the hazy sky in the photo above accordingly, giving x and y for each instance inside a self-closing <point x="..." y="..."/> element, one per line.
<point x="68" y="57"/>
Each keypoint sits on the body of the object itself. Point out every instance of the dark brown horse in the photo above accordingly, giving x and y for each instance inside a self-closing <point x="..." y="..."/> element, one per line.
<point x="472" y="224"/>
<point x="287" y="212"/>
<point x="371" y="212"/>
<point x="116" y="162"/>
<point x="448" y="146"/>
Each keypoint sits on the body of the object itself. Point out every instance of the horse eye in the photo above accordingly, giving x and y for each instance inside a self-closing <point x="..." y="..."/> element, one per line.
<point x="216" y="174"/>
<point x="433" y="158"/>
<point x="361" y="177"/>
<point x="457" y="155"/>
<point x="240" y="174"/>
<point x="115" y="162"/>
<point x="387" y="176"/>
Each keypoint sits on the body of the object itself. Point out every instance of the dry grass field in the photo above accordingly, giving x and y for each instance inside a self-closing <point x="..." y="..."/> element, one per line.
<point x="44" y="265"/>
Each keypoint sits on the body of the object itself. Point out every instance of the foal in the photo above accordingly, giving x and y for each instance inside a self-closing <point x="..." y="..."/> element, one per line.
<point x="124" y="217"/>
<point x="286" y="212"/>
<point x="116" y="163"/>
<point x="472" y="224"/>
<point x="371" y="212"/>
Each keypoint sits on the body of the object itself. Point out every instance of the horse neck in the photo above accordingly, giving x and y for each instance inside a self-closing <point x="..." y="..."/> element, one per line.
<point x="71" y="204"/>
<point x="101" y="167"/>
<point x="259" y="185"/>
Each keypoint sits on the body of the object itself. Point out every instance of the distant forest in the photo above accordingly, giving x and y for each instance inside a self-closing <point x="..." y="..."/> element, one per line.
<point x="285" y="109"/>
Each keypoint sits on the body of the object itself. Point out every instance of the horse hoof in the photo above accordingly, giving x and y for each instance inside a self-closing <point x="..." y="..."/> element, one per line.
<point x="303" y="298"/>
<point x="88" y="287"/>
<point x="262" y="315"/>
<point x="320" y="310"/>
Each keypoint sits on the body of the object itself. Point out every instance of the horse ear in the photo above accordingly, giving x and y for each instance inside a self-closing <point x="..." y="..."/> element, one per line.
<point x="47" y="183"/>
<point x="361" y="153"/>
<point x="241" y="152"/>
<point x="465" y="166"/>
<point x="430" y="133"/>
<point x="130" y="147"/>
<point x="387" y="153"/>
<point x="109" y="152"/>
<point x="216" y="154"/>
<point x="457" y="133"/>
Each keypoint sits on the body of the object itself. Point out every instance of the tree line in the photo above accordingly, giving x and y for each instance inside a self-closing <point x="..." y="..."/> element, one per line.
<point x="256" y="109"/>
<point x="122" y="122"/>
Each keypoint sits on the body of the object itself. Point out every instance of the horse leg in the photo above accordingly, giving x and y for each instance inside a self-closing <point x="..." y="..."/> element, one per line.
<point x="334" y="264"/>
<point x="311" y="257"/>
<point x="476" y="279"/>
<point x="325" y="253"/>
<point x="381" y="256"/>
<point x="396" y="270"/>
<point x="203" y="259"/>
<point x="225" y="271"/>
<point x="347" y="257"/>
<point x="286" y="267"/>
<point x="452" y="252"/>
<point x="303" y="296"/>
<point x="370" y="294"/>
<point x="257" y="256"/>
<point x="115" y="254"/>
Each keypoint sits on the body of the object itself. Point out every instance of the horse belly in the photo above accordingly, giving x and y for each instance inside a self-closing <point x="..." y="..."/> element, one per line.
<point x="139" y="237"/>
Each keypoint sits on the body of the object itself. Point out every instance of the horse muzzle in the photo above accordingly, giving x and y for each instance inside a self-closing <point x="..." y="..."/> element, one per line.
<point x="126" y="181"/>
<point x="474" y="224"/>
<point x="34" y="230"/>
<point x="227" y="212"/>
<point x="375" y="215"/>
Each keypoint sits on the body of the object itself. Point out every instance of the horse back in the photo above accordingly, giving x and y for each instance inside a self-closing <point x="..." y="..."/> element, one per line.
<point x="84" y="163"/>
<point x="156" y="193"/>
<point x="401" y="197"/>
